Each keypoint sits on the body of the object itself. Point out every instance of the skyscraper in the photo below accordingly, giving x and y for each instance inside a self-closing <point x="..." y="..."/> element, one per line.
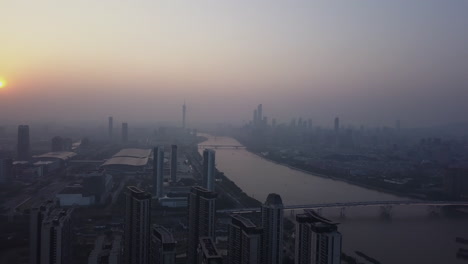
<point x="201" y="219"/>
<point x="337" y="124"/>
<point x="184" y="111"/>
<point x="209" y="169"/>
<point x="255" y="117"/>
<point x="162" y="248"/>
<point x="174" y="163"/>
<point x="244" y="241"/>
<point x="272" y="224"/>
<point x="56" y="237"/>
<point x="110" y="126"/>
<point x="259" y="113"/>
<point x="124" y="132"/>
<point x="317" y="240"/>
<point x="23" y="147"/>
<point x="38" y="215"/>
<point x="158" y="171"/>
<point x="137" y="226"/>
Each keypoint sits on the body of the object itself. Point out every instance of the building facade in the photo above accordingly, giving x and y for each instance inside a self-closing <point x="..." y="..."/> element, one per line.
<point x="163" y="246"/>
<point x="207" y="252"/>
<point x="201" y="219"/>
<point x="56" y="237"/>
<point x="158" y="172"/>
<point x="137" y="226"/>
<point x="244" y="241"/>
<point x="124" y="132"/>
<point x="317" y="240"/>
<point x="209" y="169"/>
<point x="38" y="215"/>
<point x="272" y="224"/>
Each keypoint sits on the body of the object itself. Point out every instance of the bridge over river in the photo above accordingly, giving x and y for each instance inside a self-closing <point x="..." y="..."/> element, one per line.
<point x="205" y="146"/>
<point x="386" y="204"/>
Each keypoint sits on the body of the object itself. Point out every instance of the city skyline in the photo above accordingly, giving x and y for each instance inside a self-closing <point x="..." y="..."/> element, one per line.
<point x="235" y="132"/>
<point x="325" y="59"/>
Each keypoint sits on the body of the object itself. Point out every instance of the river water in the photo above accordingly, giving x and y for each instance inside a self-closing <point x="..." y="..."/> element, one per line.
<point x="413" y="234"/>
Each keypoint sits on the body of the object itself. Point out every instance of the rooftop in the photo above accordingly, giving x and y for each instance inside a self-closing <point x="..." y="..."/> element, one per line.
<point x="62" y="155"/>
<point x="163" y="234"/>
<point x="274" y="199"/>
<point x="133" y="153"/>
<point x="209" y="248"/>
<point x="128" y="161"/>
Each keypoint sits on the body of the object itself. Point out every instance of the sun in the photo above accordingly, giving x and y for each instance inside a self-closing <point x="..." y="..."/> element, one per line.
<point x="2" y="83"/>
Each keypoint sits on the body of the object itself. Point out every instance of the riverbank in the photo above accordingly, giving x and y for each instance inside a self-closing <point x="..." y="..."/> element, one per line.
<point x="362" y="185"/>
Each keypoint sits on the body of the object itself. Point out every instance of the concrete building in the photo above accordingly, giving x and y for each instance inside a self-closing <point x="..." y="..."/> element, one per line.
<point x="99" y="184"/>
<point x="6" y="170"/>
<point x="110" y="127"/>
<point x="23" y="146"/>
<point x="75" y="195"/>
<point x="137" y="226"/>
<point x="38" y="215"/>
<point x="201" y="219"/>
<point x="163" y="246"/>
<point x="244" y="241"/>
<point x="56" y="237"/>
<point x="124" y="132"/>
<point x="272" y="224"/>
<point x="317" y="240"/>
<point x="207" y="252"/>
<point x="209" y="169"/>
<point x="174" y="163"/>
<point x="158" y="172"/>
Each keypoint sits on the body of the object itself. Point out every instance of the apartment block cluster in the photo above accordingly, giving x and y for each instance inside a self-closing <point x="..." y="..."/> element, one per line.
<point x="317" y="238"/>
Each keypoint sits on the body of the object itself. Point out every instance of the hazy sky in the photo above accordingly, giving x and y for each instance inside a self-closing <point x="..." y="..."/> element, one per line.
<point x="369" y="62"/>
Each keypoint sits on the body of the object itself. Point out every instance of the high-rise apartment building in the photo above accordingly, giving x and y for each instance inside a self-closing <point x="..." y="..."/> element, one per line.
<point x="137" y="226"/>
<point x="174" y="163"/>
<point x="201" y="219"/>
<point x="38" y="215"/>
<point x="272" y="225"/>
<point x="158" y="172"/>
<point x="244" y="241"/>
<point x="209" y="169"/>
<point x="317" y="240"/>
<point x="124" y="132"/>
<point x="23" y="146"/>
<point x="163" y="246"/>
<point x="56" y="237"/>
